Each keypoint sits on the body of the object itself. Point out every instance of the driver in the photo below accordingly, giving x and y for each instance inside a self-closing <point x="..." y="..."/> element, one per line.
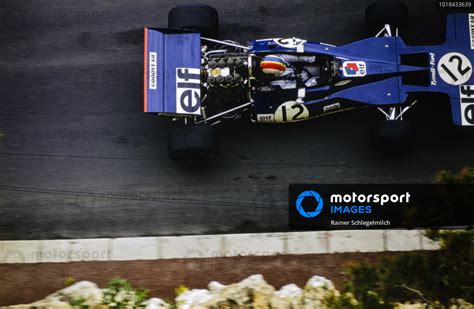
<point x="281" y="71"/>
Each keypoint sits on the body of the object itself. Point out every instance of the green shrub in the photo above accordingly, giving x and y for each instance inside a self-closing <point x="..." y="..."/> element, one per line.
<point x="442" y="275"/>
<point x="120" y="294"/>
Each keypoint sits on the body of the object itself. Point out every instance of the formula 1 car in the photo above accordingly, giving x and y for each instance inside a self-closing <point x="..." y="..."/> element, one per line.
<point x="200" y="81"/>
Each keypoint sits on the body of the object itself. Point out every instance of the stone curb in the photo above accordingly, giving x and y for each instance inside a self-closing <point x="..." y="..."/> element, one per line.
<point x="209" y="246"/>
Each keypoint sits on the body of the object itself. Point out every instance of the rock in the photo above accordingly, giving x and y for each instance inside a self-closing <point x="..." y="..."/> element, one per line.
<point x="316" y="290"/>
<point x="157" y="303"/>
<point x="461" y="304"/>
<point x="260" y="290"/>
<point x="234" y="292"/>
<point x="197" y="299"/>
<point x="253" y="289"/>
<point x="317" y="282"/>
<point x="86" y="290"/>
<point x="288" y="297"/>
<point x="216" y="287"/>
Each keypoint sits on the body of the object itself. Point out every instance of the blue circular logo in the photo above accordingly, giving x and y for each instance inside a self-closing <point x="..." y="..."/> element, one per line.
<point x="317" y="198"/>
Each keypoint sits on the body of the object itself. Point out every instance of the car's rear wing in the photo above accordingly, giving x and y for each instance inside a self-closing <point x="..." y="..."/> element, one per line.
<point x="172" y="67"/>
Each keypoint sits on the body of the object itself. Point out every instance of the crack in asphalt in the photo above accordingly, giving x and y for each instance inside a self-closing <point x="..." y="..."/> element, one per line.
<point x="133" y="198"/>
<point x="444" y="167"/>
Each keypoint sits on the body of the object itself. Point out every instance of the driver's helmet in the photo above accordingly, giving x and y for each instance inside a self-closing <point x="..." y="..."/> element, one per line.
<point x="272" y="65"/>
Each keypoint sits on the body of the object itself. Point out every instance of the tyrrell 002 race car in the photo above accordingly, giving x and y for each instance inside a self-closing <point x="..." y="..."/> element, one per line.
<point x="200" y="81"/>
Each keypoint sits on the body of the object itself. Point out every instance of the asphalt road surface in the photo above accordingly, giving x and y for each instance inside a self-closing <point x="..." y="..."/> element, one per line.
<point x="79" y="159"/>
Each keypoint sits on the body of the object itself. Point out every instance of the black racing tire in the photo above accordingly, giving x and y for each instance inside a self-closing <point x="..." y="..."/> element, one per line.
<point x="197" y="17"/>
<point x="192" y="143"/>
<point x="382" y="12"/>
<point x="393" y="134"/>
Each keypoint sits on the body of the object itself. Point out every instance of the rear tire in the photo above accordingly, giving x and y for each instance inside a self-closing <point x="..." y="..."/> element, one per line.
<point x="382" y="12"/>
<point x="192" y="143"/>
<point x="393" y="135"/>
<point x="197" y="17"/>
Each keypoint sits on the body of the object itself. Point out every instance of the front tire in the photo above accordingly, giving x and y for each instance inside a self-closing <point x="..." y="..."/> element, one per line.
<point x="192" y="143"/>
<point x="197" y="17"/>
<point x="382" y="12"/>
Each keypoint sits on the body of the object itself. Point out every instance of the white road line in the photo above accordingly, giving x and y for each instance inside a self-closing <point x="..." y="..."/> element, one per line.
<point x="205" y="246"/>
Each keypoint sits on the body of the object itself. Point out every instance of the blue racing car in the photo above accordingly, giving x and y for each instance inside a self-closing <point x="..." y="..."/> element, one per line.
<point x="200" y="81"/>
